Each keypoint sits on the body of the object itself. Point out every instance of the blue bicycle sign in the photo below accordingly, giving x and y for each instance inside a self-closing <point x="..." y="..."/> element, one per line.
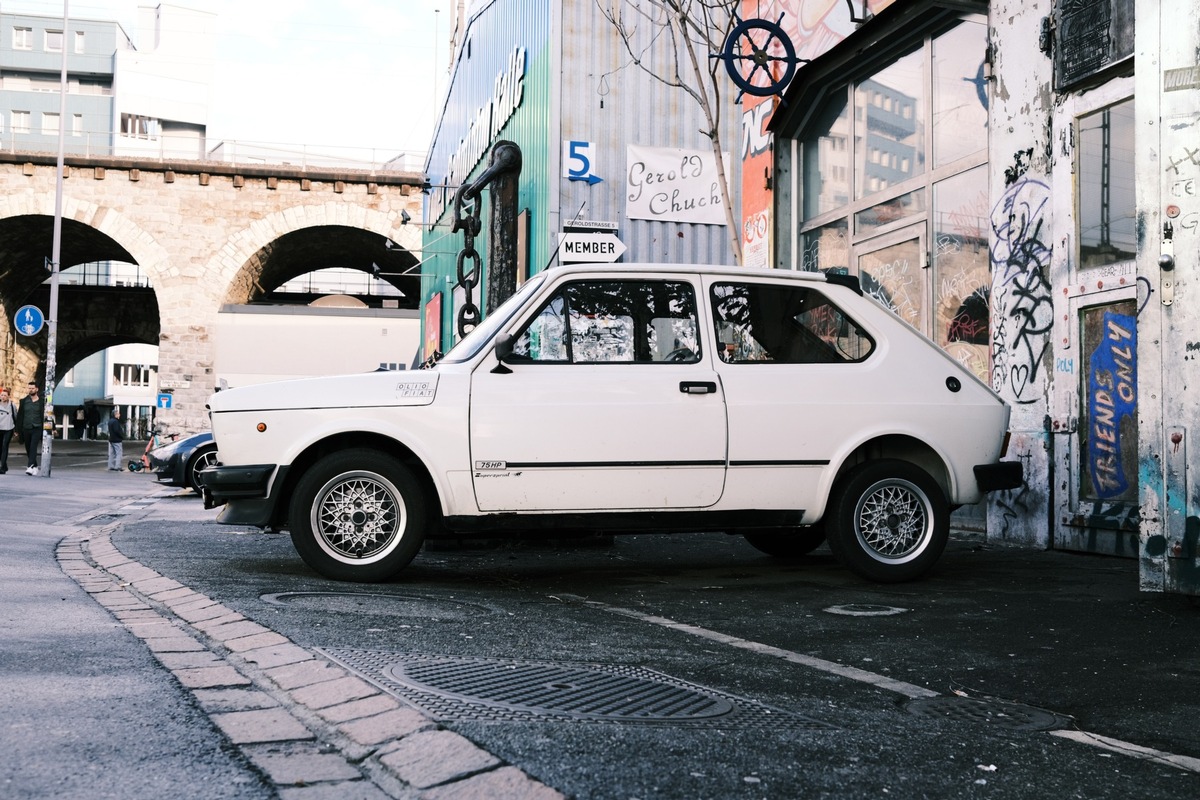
<point x="29" y="320"/>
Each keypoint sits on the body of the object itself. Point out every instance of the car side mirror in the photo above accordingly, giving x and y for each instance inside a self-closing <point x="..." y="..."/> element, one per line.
<point x="503" y="350"/>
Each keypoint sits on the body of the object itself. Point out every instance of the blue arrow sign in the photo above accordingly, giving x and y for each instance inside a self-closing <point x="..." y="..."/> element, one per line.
<point x="29" y="320"/>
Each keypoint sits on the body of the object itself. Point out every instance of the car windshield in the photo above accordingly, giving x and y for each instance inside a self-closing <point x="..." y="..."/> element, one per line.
<point x="474" y="341"/>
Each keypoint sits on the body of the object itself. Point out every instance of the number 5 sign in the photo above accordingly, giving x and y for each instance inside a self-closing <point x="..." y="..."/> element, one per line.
<point x="577" y="162"/>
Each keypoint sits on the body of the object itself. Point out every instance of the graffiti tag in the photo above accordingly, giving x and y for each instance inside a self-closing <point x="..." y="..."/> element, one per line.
<point x="1025" y="311"/>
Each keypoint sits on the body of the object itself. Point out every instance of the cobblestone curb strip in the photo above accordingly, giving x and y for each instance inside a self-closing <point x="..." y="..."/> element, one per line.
<point x="313" y="729"/>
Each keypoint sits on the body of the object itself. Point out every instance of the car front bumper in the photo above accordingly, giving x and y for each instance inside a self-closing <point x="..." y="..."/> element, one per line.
<point x="244" y="491"/>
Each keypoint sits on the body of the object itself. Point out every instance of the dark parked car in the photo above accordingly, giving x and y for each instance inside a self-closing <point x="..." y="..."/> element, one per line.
<point x="179" y="462"/>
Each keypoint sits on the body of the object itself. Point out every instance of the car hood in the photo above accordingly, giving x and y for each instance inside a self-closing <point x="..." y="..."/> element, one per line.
<point x="341" y="391"/>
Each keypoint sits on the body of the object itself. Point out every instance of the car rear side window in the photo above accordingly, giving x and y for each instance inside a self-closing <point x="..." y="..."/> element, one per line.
<point x="761" y="322"/>
<point x="614" y="321"/>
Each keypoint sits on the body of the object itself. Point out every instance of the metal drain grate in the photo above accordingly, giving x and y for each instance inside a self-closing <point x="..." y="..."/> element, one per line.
<point x="995" y="713"/>
<point x="493" y="690"/>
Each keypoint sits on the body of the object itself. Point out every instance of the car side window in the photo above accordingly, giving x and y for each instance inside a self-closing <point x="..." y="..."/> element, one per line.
<point x="614" y="321"/>
<point x="758" y="322"/>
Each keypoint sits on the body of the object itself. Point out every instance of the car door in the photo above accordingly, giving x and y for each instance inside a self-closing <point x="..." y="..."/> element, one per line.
<point x="798" y="385"/>
<point x="610" y="404"/>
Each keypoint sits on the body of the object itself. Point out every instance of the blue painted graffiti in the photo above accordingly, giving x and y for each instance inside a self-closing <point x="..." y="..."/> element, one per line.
<point x="1112" y="397"/>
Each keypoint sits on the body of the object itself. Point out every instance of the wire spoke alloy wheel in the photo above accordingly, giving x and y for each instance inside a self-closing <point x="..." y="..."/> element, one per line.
<point x="893" y="520"/>
<point x="888" y="520"/>
<point x="202" y="462"/>
<point x="358" y="516"/>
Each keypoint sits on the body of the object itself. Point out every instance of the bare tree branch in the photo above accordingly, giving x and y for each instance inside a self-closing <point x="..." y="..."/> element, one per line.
<point x="679" y="27"/>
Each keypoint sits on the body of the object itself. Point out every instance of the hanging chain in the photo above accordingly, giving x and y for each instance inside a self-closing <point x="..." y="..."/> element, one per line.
<point x="468" y="314"/>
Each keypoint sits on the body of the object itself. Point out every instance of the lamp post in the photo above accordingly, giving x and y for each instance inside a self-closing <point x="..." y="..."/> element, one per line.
<point x="55" y="256"/>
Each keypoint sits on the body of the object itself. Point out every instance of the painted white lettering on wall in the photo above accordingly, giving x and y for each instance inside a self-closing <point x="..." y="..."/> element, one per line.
<point x="672" y="185"/>
<point x="506" y="97"/>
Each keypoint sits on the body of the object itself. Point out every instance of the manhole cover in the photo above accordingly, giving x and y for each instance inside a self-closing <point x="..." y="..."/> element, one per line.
<point x="377" y="603"/>
<point x="996" y="713"/>
<point x="489" y="689"/>
<point x="865" y="610"/>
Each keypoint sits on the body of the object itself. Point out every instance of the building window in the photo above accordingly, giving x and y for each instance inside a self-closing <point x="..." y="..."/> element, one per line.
<point x="77" y="125"/>
<point x="132" y="375"/>
<point x="22" y="38"/>
<point x="49" y="124"/>
<point x="20" y="122"/>
<point x="1106" y="206"/>
<point x="54" y="41"/>
<point x="79" y="42"/>
<point x="138" y="127"/>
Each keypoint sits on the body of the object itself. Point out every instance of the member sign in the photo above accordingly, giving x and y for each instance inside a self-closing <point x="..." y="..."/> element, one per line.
<point x="583" y="247"/>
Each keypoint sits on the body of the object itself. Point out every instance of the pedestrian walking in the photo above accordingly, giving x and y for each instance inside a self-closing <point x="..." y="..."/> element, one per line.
<point x="8" y="426"/>
<point x="29" y="426"/>
<point x="116" y="439"/>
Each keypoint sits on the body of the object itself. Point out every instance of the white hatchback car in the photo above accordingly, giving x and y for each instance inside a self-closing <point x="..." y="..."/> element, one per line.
<point x="783" y="406"/>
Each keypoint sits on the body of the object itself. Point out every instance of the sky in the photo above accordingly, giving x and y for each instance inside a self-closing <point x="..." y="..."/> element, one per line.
<point x="325" y="74"/>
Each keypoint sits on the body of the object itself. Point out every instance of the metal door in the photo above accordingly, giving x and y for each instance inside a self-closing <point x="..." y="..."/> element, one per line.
<point x="1168" y="83"/>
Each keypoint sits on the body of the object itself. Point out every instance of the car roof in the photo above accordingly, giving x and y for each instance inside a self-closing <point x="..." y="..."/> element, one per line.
<point x="720" y="270"/>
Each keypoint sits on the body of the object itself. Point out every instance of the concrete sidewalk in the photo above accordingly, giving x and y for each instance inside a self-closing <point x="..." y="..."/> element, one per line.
<point x="300" y="725"/>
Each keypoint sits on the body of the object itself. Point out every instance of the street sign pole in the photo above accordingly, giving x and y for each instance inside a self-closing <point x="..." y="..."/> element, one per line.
<point x="55" y="256"/>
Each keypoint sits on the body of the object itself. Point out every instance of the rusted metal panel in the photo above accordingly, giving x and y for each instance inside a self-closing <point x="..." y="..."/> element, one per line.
<point x="611" y="102"/>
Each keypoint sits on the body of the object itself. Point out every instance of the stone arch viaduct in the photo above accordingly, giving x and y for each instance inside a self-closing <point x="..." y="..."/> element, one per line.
<point x="204" y="234"/>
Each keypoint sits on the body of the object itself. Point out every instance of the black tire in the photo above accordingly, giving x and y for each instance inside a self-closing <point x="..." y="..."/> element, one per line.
<point x="888" y="521"/>
<point x="202" y="458"/>
<point x="358" y="515"/>
<point x="787" y="542"/>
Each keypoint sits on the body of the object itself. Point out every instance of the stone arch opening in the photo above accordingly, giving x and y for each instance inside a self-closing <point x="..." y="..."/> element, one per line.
<point x="321" y="247"/>
<point x="95" y="311"/>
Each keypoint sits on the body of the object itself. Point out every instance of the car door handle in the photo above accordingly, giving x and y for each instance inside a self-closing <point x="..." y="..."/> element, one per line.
<point x="698" y="387"/>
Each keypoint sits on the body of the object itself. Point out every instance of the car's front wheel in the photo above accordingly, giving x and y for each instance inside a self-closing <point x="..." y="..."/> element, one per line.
<point x="358" y="515"/>
<point x="888" y="521"/>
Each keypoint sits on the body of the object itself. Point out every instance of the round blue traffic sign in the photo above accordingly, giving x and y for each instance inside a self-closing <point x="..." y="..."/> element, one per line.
<point x="29" y="320"/>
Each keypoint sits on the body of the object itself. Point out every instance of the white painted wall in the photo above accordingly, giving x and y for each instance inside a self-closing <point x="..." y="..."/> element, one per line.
<point x="258" y="344"/>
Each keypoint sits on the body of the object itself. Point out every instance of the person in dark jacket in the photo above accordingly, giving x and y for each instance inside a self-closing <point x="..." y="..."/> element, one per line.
<point x="29" y="423"/>
<point x="116" y="439"/>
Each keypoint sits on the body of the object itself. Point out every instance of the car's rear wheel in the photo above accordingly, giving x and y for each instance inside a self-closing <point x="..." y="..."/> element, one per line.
<point x="888" y="521"/>
<point x="358" y="515"/>
<point x="202" y="459"/>
<point x="787" y="542"/>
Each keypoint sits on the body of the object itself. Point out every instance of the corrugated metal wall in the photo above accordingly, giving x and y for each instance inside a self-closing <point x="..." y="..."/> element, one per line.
<point x="596" y="94"/>
<point x="611" y="101"/>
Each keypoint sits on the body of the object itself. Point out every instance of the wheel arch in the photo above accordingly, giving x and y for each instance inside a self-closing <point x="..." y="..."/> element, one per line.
<point x="345" y="441"/>
<point x="901" y="447"/>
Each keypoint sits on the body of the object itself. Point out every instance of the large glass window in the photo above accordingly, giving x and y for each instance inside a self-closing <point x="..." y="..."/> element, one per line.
<point x="962" y="268"/>
<point x="960" y="102"/>
<point x="608" y="321"/>
<point x="889" y="142"/>
<point x="827" y="159"/>
<point x="909" y="217"/>
<point x="1106" y="187"/>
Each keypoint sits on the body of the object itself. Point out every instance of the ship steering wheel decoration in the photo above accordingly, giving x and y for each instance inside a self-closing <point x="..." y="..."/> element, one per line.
<point x="759" y="57"/>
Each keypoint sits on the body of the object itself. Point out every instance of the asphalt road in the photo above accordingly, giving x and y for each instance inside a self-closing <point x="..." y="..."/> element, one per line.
<point x="931" y="689"/>
<point x="651" y="667"/>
